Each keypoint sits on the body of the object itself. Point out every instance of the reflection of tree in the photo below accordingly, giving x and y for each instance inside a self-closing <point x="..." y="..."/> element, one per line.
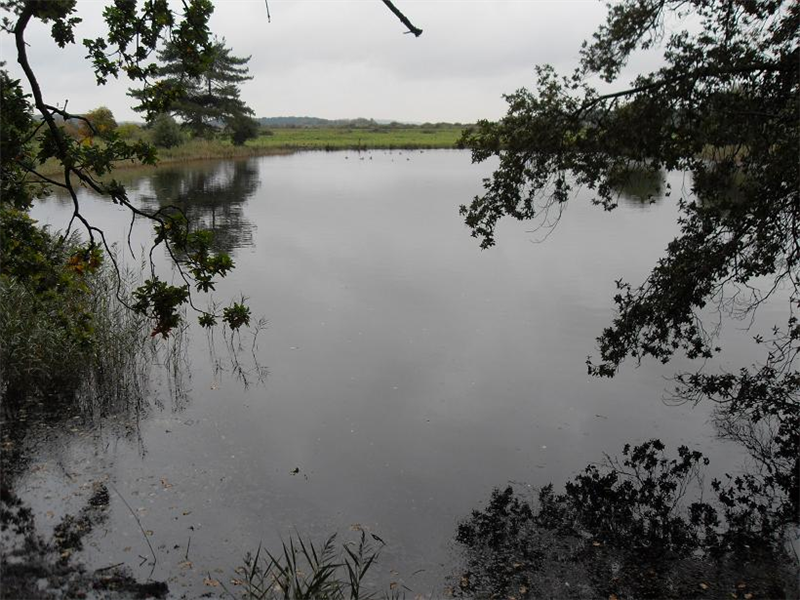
<point x="638" y="184"/>
<point x="212" y="196"/>
<point x="635" y="526"/>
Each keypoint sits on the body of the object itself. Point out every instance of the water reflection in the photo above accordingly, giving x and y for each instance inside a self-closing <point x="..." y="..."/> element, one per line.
<point x="213" y="196"/>
<point x="639" y="185"/>
<point x="404" y="362"/>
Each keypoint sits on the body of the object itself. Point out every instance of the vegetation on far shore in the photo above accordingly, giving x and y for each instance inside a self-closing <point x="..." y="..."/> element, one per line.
<point x="285" y="140"/>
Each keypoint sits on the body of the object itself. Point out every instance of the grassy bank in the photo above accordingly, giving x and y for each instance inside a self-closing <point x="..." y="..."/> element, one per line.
<point x="287" y="140"/>
<point x="359" y="139"/>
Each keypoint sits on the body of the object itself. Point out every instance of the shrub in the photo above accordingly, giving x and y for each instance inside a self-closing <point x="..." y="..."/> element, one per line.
<point x="241" y="129"/>
<point x="166" y="132"/>
<point x="130" y="131"/>
<point x="103" y="123"/>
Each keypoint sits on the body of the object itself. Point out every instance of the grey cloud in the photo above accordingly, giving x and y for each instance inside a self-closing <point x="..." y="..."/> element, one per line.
<point x="350" y="58"/>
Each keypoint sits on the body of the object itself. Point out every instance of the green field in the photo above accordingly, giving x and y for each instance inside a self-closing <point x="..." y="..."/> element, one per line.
<point x="359" y="139"/>
<point x="287" y="140"/>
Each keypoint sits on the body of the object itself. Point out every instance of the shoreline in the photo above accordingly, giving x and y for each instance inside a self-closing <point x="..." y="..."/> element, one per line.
<point x="290" y="141"/>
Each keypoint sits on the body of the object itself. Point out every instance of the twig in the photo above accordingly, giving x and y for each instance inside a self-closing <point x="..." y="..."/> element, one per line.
<point x="139" y="523"/>
<point x="109" y="567"/>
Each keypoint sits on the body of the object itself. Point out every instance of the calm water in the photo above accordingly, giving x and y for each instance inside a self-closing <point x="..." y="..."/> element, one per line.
<point x="409" y="372"/>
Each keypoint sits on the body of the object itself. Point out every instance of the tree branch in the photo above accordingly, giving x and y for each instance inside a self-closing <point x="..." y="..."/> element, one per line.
<point x="697" y="74"/>
<point x="403" y="19"/>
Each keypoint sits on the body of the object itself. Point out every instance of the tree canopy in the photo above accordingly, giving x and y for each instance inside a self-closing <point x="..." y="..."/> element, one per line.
<point x="724" y="108"/>
<point x="100" y="122"/>
<point x="205" y="101"/>
<point x="136" y="31"/>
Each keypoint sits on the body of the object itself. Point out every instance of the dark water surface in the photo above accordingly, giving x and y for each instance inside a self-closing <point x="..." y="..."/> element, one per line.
<point x="409" y="371"/>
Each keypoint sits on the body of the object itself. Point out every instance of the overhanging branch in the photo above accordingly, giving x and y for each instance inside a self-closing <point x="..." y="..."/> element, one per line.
<point x="403" y="19"/>
<point x="697" y="74"/>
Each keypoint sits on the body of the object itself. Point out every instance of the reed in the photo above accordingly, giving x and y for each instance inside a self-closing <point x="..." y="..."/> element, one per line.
<point x="302" y="570"/>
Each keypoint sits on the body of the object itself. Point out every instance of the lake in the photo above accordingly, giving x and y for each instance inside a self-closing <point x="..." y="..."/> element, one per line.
<point x="407" y="372"/>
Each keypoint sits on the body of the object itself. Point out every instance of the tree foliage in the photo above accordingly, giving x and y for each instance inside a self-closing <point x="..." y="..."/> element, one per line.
<point x="134" y="32"/>
<point x="99" y="122"/>
<point x="166" y="131"/>
<point x="724" y="109"/>
<point x="204" y="101"/>
<point x="628" y="528"/>
<point x="242" y="128"/>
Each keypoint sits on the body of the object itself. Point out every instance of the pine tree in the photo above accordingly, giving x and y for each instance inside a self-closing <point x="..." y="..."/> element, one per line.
<point x="203" y="102"/>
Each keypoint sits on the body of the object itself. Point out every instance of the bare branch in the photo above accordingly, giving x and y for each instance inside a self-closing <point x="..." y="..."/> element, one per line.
<point x="403" y="19"/>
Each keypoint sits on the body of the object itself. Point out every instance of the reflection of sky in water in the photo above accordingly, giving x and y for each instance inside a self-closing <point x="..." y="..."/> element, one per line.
<point x="410" y="372"/>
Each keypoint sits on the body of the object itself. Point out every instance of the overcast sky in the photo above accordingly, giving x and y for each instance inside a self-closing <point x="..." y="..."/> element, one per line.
<point x="350" y="58"/>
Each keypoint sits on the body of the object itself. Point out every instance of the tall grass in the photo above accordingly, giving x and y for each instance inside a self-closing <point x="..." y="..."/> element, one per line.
<point x="44" y="360"/>
<point x="304" y="571"/>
